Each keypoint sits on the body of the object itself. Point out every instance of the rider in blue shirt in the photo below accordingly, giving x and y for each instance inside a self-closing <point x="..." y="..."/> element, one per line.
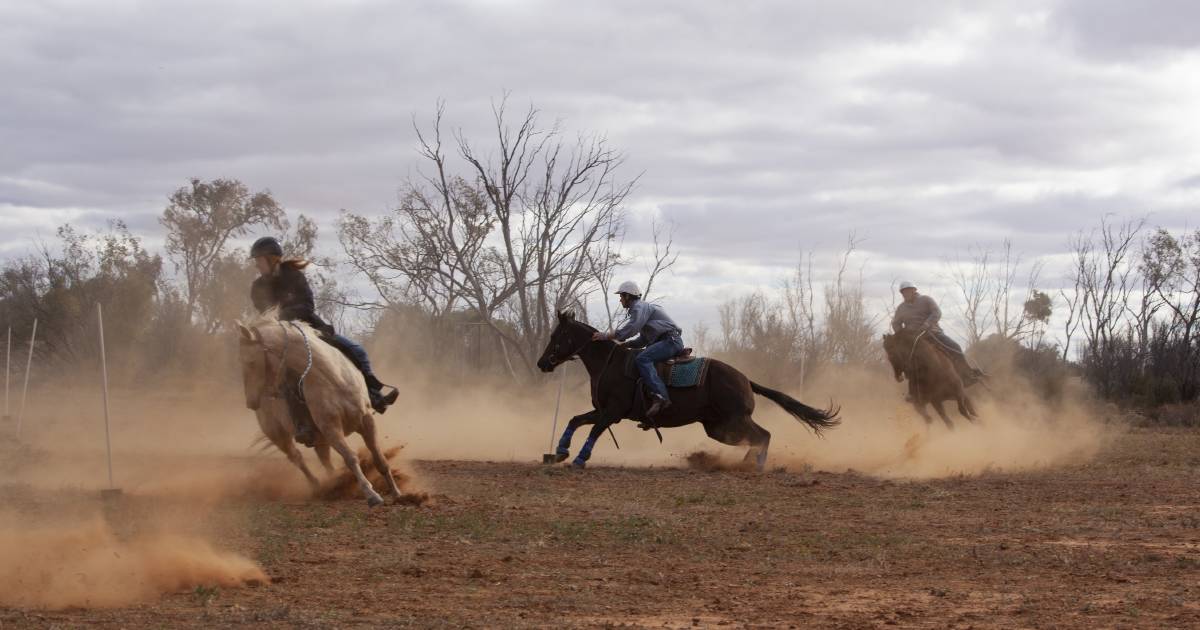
<point x="656" y="332"/>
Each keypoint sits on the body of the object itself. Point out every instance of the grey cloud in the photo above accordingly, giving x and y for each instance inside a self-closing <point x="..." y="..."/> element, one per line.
<point x="1116" y="29"/>
<point x="760" y="128"/>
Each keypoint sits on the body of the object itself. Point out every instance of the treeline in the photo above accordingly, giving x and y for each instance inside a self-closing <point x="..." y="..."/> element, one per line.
<point x="156" y="322"/>
<point x="464" y="276"/>
<point x="1133" y="301"/>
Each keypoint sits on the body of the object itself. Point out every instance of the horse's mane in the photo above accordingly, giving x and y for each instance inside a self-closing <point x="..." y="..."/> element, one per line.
<point x="268" y="320"/>
<point x="586" y="326"/>
<point x="265" y="317"/>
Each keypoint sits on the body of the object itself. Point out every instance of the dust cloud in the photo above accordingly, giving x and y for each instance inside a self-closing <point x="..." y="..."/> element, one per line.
<point x="200" y="443"/>
<point x="883" y="436"/>
<point x="197" y="444"/>
<point x="84" y="564"/>
<point x="880" y="434"/>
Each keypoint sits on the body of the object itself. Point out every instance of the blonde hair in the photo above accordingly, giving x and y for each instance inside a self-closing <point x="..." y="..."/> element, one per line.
<point x="295" y="263"/>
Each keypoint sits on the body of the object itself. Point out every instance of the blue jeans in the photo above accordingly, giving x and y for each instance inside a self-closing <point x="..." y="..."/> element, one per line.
<point x="946" y="341"/>
<point x="667" y="347"/>
<point x="356" y="353"/>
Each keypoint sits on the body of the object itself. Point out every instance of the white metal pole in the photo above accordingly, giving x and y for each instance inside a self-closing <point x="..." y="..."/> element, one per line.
<point x="104" y="373"/>
<point x="557" y="401"/>
<point x="25" y="389"/>
<point x="7" y="372"/>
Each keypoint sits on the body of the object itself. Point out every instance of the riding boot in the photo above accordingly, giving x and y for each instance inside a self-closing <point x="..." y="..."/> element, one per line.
<point x="379" y="401"/>
<point x="659" y="405"/>
<point x="969" y="374"/>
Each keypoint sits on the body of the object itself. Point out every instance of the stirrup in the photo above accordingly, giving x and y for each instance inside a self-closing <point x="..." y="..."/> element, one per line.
<point x="380" y="401"/>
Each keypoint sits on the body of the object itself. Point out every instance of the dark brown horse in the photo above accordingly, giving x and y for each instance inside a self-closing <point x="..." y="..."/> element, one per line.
<point x="723" y="403"/>
<point x="932" y="376"/>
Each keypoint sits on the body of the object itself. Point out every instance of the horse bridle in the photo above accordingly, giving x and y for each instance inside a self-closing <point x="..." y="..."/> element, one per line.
<point x="603" y="368"/>
<point x="573" y="354"/>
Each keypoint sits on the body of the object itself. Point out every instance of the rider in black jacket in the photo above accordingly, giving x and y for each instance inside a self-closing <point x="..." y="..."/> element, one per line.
<point x="282" y="283"/>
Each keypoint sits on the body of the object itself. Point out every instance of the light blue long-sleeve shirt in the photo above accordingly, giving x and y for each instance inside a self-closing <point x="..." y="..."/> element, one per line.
<point x="647" y="321"/>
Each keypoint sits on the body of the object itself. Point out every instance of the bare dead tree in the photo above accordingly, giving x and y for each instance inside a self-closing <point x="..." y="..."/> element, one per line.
<point x="664" y="255"/>
<point x="992" y="301"/>
<point x="1105" y="276"/>
<point x="514" y="239"/>
<point x="972" y="278"/>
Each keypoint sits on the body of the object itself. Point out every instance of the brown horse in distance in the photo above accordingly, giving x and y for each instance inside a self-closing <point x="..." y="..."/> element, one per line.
<point x="932" y="376"/>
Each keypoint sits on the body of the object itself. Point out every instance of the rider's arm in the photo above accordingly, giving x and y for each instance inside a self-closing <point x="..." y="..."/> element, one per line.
<point x="301" y="305"/>
<point x="935" y="313"/>
<point x="260" y="294"/>
<point x="897" y="325"/>
<point x="639" y="314"/>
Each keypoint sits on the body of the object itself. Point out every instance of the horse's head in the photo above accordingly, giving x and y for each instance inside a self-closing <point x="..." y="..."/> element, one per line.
<point x="893" y="346"/>
<point x="253" y="355"/>
<point x="569" y="337"/>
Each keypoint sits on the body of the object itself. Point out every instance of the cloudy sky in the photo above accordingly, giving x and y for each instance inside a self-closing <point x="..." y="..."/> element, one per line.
<point x="759" y="129"/>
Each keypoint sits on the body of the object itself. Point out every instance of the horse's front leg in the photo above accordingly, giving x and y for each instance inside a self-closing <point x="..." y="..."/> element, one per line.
<point x="564" y="443"/>
<point x="601" y="422"/>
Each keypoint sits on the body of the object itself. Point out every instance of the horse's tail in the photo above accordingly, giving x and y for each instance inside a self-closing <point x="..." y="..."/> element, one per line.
<point x="816" y="419"/>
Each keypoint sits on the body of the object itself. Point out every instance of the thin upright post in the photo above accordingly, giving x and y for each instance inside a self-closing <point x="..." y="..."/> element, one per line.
<point x="557" y="401"/>
<point x="25" y="389"/>
<point x="104" y="374"/>
<point x="7" y="373"/>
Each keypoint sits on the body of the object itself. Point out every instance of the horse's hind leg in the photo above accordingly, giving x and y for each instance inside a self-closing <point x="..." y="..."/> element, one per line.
<point x="739" y="431"/>
<point x="381" y="464"/>
<point x="941" y="411"/>
<point x="760" y="440"/>
<point x="339" y="444"/>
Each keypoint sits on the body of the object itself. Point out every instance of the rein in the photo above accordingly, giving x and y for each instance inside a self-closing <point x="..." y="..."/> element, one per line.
<point x="600" y="374"/>
<point x="911" y="372"/>
<point x="913" y="352"/>
<point x="278" y="393"/>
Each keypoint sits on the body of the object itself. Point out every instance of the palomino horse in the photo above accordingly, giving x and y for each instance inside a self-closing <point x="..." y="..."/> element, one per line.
<point x="724" y="403"/>
<point x="932" y="377"/>
<point x="334" y="391"/>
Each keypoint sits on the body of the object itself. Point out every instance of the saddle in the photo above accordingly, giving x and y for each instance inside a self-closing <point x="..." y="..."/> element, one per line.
<point x="683" y="370"/>
<point x="967" y="372"/>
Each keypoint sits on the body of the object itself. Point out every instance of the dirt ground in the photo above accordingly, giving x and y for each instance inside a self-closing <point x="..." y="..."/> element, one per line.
<point x="1111" y="543"/>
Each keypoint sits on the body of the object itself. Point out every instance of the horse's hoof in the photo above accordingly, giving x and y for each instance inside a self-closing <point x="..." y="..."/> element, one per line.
<point x="579" y="464"/>
<point x="374" y="501"/>
<point x="561" y="457"/>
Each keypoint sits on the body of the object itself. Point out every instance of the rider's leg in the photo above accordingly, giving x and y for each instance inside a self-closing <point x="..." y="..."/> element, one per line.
<point x="661" y="350"/>
<point x="960" y="358"/>
<point x="358" y="356"/>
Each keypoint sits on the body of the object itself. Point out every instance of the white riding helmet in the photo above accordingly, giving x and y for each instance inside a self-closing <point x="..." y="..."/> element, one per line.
<point x="630" y="287"/>
<point x="907" y="285"/>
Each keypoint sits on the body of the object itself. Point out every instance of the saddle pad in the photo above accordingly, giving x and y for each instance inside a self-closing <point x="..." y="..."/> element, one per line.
<point x="666" y="367"/>
<point x="689" y="373"/>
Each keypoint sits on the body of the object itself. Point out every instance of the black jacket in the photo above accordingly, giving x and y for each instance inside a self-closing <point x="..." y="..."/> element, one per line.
<point x="288" y="289"/>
